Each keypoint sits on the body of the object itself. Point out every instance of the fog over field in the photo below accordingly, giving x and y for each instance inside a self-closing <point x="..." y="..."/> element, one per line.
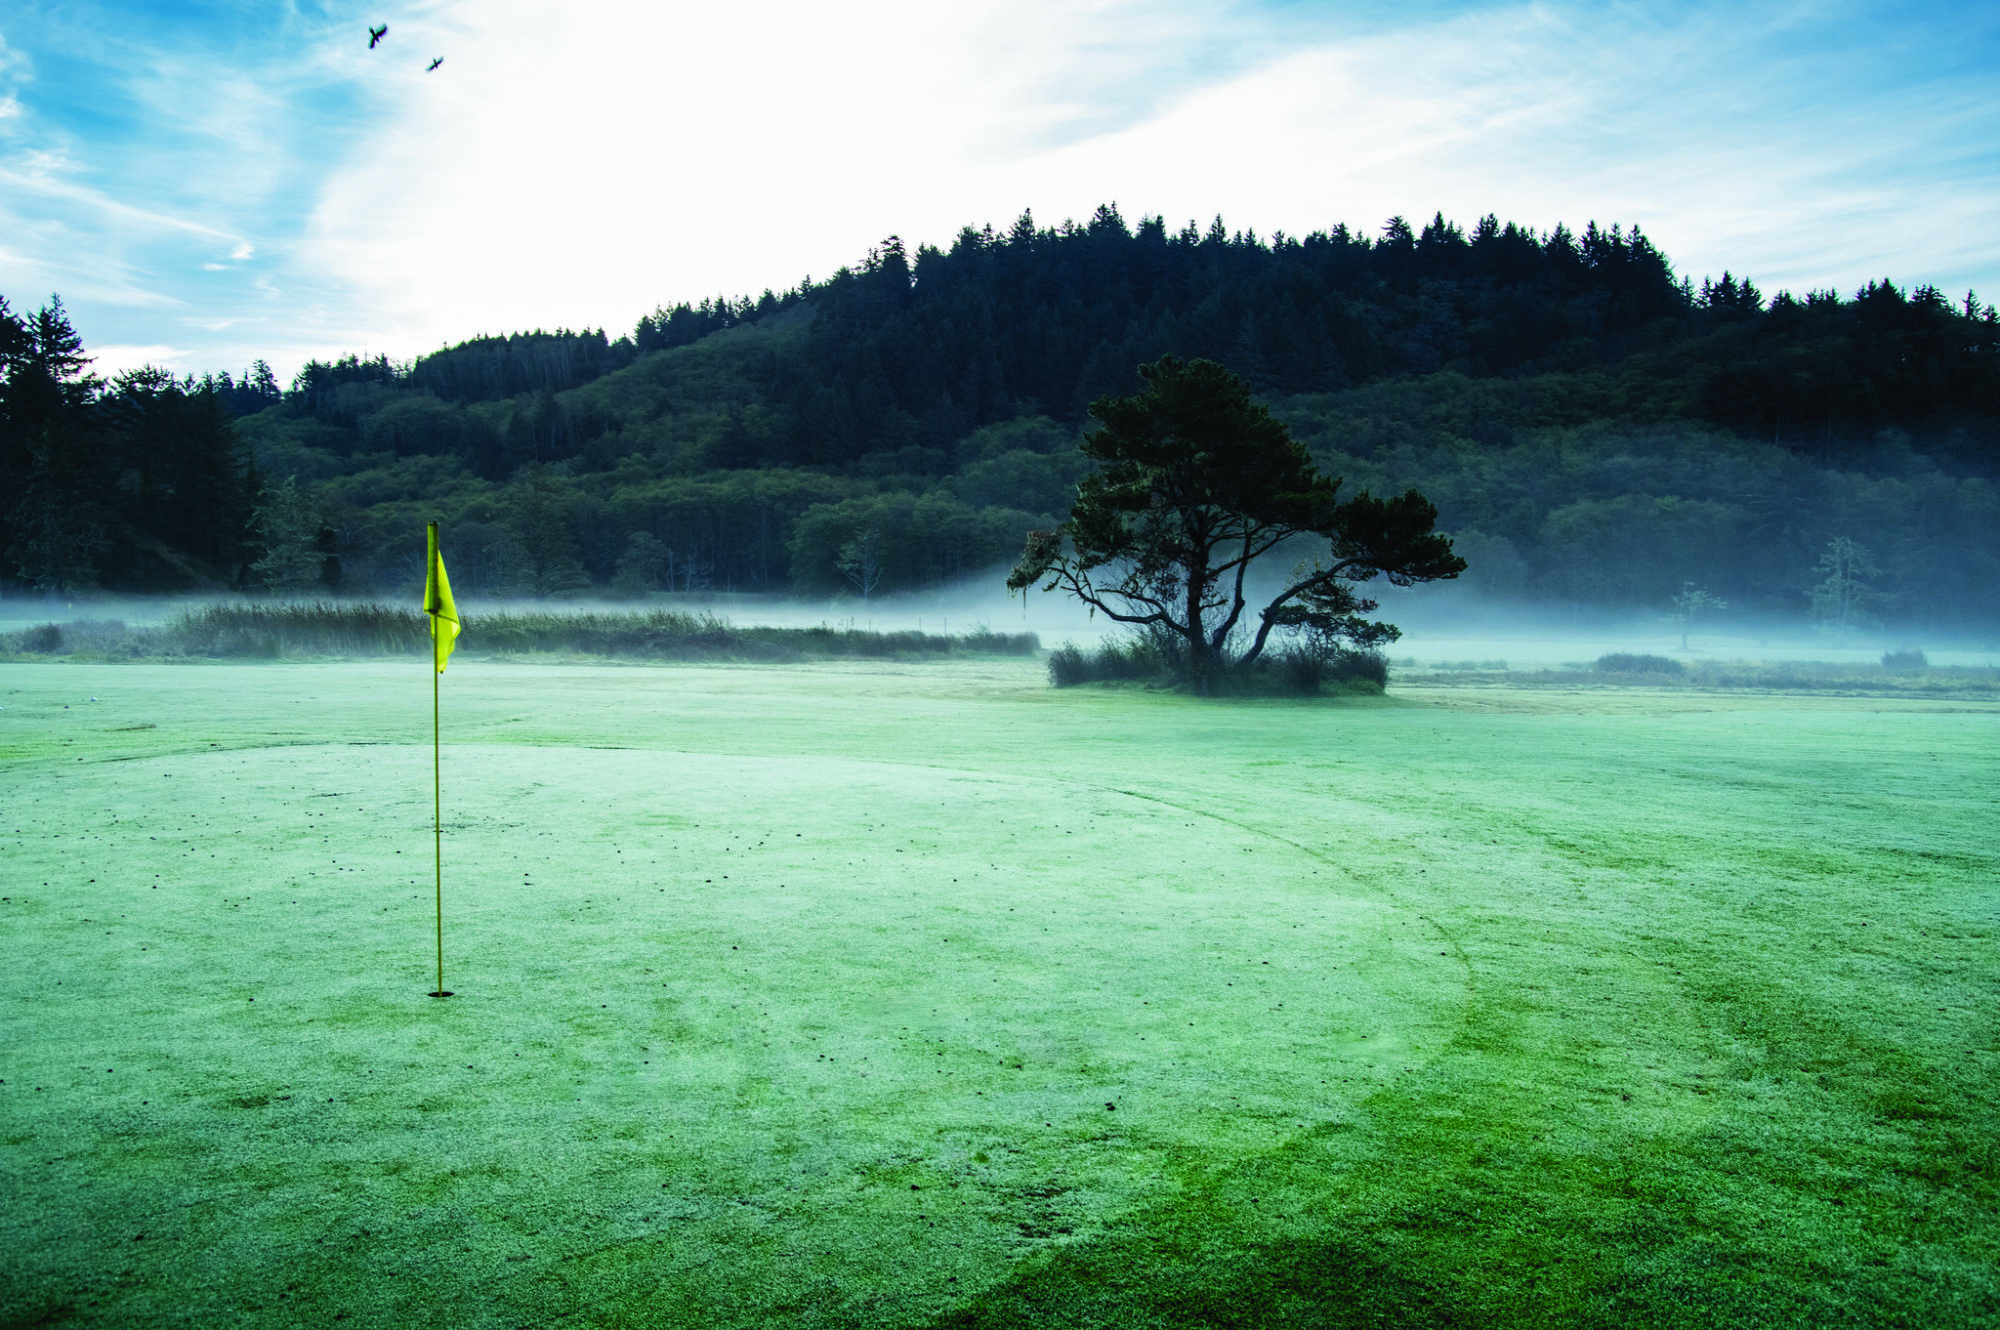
<point x="1442" y="624"/>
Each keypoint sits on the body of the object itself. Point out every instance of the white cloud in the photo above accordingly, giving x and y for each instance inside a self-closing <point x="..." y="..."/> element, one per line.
<point x="118" y="357"/>
<point x="243" y="252"/>
<point x="581" y="164"/>
<point x="13" y="63"/>
<point x="45" y="175"/>
<point x="46" y="267"/>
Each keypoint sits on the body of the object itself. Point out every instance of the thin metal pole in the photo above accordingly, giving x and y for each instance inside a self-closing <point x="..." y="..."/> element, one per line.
<point x="437" y="812"/>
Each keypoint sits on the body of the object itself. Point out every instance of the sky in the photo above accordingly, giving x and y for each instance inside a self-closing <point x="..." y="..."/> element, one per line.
<point x="209" y="182"/>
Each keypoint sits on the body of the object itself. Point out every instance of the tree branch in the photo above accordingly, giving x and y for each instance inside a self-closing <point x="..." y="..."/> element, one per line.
<point x="1087" y="592"/>
<point x="1236" y="609"/>
<point x="1325" y="577"/>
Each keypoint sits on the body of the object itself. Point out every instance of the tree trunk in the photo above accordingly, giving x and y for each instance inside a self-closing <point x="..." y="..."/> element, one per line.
<point x="1200" y="658"/>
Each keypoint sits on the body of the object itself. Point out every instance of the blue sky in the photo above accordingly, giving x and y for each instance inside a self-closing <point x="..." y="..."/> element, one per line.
<point x="206" y="183"/>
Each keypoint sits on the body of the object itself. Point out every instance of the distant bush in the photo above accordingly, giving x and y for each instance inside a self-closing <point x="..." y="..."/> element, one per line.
<point x="1302" y="669"/>
<point x="1364" y="667"/>
<point x="1126" y="660"/>
<point x="86" y="637"/>
<point x="1298" y="668"/>
<point x="984" y="639"/>
<point x="1068" y="666"/>
<point x="1904" y="662"/>
<point x="1622" y="662"/>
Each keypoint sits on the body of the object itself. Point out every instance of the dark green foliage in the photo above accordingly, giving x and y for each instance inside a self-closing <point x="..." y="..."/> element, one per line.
<point x="914" y="541"/>
<point x="52" y="530"/>
<point x="253" y="392"/>
<point x="287" y="529"/>
<point x="644" y="565"/>
<point x="1623" y="662"/>
<point x="1905" y="661"/>
<point x="495" y="367"/>
<point x="542" y="518"/>
<point x="142" y="483"/>
<point x="181" y="474"/>
<point x="685" y="324"/>
<point x="57" y="526"/>
<point x="1812" y="374"/>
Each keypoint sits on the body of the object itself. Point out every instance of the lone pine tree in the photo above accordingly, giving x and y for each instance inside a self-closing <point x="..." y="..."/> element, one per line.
<point x="1194" y="482"/>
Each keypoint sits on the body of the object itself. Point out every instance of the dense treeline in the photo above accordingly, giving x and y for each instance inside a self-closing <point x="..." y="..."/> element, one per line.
<point x="1593" y="427"/>
<point x="143" y="481"/>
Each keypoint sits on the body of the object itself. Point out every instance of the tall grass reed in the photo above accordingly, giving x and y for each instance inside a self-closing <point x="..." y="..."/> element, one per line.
<point x="355" y="628"/>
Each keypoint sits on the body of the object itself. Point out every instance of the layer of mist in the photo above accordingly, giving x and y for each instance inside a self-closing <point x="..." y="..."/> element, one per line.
<point x="1441" y="625"/>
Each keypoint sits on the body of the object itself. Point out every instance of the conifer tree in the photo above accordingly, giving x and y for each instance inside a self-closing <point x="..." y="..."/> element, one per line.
<point x="1194" y="483"/>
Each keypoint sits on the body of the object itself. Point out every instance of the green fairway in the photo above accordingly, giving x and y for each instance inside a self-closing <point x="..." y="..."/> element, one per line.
<point x="905" y="995"/>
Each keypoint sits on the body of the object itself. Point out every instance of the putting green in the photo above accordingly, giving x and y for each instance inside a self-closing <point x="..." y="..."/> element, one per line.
<point x="738" y="1036"/>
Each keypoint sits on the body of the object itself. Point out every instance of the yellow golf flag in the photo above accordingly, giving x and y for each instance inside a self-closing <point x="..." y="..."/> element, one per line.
<point x="439" y="604"/>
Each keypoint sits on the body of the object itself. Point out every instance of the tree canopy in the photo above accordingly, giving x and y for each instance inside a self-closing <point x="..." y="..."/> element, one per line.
<point x="1194" y="483"/>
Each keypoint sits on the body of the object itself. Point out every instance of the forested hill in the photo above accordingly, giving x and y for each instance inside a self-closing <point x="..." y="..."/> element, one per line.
<point x="1593" y="427"/>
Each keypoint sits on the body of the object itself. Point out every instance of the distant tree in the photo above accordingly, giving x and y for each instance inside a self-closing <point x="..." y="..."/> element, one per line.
<point x="689" y="572"/>
<point x="51" y="453"/>
<point x="540" y="518"/>
<point x="860" y="561"/>
<point x="57" y="533"/>
<point x="643" y="564"/>
<point x="898" y="540"/>
<point x="288" y="526"/>
<point x="256" y="390"/>
<point x="259" y="379"/>
<point x="180" y="467"/>
<point x="326" y="542"/>
<point x="1841" y="598"/>
<point x="1195" y="483"/>
<point x="1729" y="294"/>
<point x="1690" y="603"/>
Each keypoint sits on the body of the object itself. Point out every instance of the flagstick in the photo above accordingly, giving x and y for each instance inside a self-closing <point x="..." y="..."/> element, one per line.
<point x="438" y="605"/>
<point x="437" y="816"/>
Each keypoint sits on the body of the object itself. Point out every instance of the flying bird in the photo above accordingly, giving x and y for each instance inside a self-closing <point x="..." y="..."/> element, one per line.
<point x="376" y="35"/>
<point x="434" y="64"/>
